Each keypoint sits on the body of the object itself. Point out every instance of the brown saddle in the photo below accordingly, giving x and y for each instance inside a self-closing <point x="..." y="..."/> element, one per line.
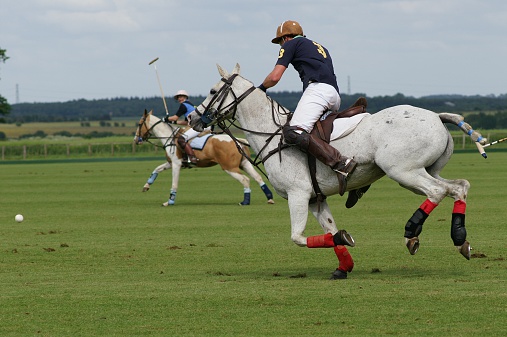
<point x="323" y="129"/>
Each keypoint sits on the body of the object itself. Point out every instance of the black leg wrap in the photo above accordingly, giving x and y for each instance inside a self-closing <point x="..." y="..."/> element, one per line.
<point x="414" y="225"/>
<point x="458" y="230"/>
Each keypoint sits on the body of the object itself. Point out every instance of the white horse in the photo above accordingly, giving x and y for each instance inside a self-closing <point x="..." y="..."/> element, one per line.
<point x="218" y="149"/>
<point x="408" y="144"/>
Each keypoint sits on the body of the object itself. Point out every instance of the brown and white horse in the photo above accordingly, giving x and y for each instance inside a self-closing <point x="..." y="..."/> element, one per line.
<point x="218" y="150"/>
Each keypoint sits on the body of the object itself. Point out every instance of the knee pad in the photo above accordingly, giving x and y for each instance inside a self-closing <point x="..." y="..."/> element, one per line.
<point x="414" y="225"/>
<point x="458" y="230"/>
<point x="299" y="139"/>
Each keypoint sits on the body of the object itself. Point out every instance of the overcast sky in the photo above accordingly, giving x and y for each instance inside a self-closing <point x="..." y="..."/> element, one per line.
<point x="63" y="50"/>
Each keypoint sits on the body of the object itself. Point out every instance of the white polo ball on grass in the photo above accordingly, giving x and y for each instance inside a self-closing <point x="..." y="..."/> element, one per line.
<point x="19" y="218"/>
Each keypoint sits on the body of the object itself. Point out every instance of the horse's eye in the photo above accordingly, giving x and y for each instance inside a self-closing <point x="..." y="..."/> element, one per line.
<point x="212" y="91"/>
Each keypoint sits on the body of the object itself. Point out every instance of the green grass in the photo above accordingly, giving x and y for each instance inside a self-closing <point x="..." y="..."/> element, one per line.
<point x="119" y="127"/>
<point x="97" y="257"/>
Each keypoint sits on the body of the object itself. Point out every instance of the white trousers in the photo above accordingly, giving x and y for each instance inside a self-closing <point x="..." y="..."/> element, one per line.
<point x="317" y="98"/>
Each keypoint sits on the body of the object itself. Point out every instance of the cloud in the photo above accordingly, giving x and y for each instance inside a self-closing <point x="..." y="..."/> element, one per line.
<point x="83" y="22"/>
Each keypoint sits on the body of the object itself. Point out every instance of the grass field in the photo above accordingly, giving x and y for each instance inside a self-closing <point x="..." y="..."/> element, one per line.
<point x="120" y="127"/>
<point x="97" y="257"/>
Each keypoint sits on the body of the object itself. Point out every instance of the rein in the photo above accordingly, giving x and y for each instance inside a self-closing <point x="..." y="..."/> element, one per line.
<point x="147" y="136"/>
<point x="221" y="115"/>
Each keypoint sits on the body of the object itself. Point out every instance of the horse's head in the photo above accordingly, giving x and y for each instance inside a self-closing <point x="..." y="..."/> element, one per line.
<point x="143" y="128"/>
<point x="222" y="100"/>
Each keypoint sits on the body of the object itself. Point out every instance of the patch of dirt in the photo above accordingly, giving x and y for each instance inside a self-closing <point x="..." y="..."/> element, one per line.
<point x="478" y="256"/>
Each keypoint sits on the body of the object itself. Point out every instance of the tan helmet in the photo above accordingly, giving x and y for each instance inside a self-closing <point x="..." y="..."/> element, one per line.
<point x="288" y="27"/>
<point x="181" y="93"/>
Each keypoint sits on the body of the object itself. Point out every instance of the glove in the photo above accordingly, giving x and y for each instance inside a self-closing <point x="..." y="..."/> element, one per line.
<point x="168" y="121"/>
<point x="262" y="87"/>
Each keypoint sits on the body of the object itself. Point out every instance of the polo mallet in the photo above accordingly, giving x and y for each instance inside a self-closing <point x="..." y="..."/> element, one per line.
<point x="481" y="147"/>
<point x="160" y="85"/>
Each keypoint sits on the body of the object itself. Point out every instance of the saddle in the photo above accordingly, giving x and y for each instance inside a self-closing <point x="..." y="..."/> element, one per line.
<point x="323" y="129"/>
<point x="324" y="126"/>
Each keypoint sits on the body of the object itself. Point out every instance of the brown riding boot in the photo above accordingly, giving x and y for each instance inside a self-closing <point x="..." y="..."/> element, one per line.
<point x="187" y="151"/>
<point x="330" y="156"/>
<point x="190" y="153"/>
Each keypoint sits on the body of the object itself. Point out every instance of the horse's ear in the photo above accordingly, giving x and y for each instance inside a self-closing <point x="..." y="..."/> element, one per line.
<point x="236" y="69"/>
<point x="222" y="72"/>
<point x="145" y="112"/>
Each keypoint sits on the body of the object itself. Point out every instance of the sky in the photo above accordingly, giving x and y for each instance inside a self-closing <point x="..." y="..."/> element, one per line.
<point x="63" y="50"/>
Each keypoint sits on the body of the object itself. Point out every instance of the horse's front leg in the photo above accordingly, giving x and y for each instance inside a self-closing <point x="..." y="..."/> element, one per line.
<point x="176" y="165"/>
<point x="298" y="208"/>
<point x="323" y="215"/>
<point x="154" y="175"/>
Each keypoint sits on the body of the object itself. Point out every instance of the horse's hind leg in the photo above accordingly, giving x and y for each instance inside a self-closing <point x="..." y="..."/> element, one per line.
<point x="332" y="238"/>
<point x="436" y="189"/>
<point x="250" y="170"/>
<point x="245" y="181"/>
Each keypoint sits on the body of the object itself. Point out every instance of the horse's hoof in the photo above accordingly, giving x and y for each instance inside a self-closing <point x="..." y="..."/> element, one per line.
<point x="146" y="187"/>
<point x="271" y="201"/>
<point x="338" y="275"/>
<point x="412" y="245"/>
<point x="243" y="204"/>
<point x="344" y="239"/>
<point x="168" y="203"/>
<point x="465" y="249"/>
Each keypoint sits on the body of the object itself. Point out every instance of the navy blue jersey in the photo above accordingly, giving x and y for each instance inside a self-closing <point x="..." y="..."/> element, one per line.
<point x="311" y="60"/>
<point x="185" y="109"/>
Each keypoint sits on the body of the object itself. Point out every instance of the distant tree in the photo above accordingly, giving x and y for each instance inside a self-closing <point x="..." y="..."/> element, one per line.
<point x="5" y="108"/>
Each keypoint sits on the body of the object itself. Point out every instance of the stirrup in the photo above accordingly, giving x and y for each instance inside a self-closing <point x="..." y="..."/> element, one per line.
<point x="348" y="167"/>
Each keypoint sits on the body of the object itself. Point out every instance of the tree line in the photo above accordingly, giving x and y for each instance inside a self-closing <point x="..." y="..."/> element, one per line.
<point x="485" y="112"/>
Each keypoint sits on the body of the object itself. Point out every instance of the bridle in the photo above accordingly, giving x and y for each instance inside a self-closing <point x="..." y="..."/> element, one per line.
<point x="225" y="117"/>
<point x="147" y="136"/>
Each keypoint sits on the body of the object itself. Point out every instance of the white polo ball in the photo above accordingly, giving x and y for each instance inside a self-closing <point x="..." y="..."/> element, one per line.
<point x="18" y="218"/>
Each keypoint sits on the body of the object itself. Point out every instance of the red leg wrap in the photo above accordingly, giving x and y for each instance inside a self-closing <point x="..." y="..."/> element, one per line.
<point x="459" y="207"/>
<point x="345" y="259"/>
<point x="427" y="206"/>
<point x="320" y="241"/>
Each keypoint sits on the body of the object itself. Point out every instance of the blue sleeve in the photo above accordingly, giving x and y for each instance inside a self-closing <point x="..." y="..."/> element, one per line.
<point x="181" y="110"/>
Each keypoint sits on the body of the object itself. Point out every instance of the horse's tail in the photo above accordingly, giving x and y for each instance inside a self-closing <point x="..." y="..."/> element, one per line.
<point x="243" y="141"/>
<point x="245" y="145"/>
<point x="459" y="121"/>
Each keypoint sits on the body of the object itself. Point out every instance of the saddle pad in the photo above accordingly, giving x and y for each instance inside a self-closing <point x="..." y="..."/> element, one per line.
<point x="198" y="142"/>
<point x="343" y="126"/>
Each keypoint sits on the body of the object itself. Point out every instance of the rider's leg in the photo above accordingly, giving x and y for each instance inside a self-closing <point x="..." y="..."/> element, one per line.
<point x="317" y="98"/>
<point x="184" y="143"/>
<point x="324" y="152"/>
